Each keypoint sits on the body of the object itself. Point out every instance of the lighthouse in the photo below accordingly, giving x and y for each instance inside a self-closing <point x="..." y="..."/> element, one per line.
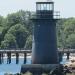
<point x="44" y="46"/>
<point x="44" y="43"/>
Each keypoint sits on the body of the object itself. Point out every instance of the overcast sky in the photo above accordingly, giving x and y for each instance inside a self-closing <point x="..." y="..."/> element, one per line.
<point x="66" y="7"/>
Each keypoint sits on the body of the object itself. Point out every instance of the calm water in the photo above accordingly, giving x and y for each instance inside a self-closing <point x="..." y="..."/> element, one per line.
<point x="15" y="68"/>
<point x="12" y="68"/>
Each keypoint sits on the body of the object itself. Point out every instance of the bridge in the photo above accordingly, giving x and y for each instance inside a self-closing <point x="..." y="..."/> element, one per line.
<point x="24" y="53"/>
<point x="30" y="51"/>
<point x="15" y="51"/>
<point x="66" y="50"/>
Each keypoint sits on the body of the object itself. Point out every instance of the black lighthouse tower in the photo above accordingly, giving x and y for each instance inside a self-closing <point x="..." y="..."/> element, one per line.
<point x="44" y="48"/>
<point x="44" y="45"/>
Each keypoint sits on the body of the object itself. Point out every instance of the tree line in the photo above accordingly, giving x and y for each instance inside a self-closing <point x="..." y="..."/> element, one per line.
<point x="66" y="33"/>
<point x="16" y="31"/>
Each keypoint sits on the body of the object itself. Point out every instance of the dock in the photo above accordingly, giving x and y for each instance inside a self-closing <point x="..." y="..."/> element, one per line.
<point x="24" y="52"/>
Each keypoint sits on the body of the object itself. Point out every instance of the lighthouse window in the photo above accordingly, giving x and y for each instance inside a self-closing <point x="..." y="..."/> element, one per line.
<point x="51" y="6"/>
<point x="41" y="6"/>
<point x="48" y="6"/>
<point x="38" y="6"/>
<point x="44" y="7"/>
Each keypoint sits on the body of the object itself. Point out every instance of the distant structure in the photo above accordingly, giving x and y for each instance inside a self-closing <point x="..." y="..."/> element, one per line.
<point x="44" y="49"/>
<point x="44" y="46"/>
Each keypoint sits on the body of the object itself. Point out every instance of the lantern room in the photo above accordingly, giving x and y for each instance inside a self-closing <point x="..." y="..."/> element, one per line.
<point x="45" y="9"/>
<point x="48" y="6"/>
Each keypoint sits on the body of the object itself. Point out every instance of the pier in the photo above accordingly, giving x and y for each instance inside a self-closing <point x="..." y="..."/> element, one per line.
<point x="24" y="52"/>
<point x="16" y="53"/>
<point x="30" y="51"/>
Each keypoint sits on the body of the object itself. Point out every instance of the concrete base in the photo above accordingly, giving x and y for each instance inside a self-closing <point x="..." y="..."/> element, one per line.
<point x="39" y="68"/>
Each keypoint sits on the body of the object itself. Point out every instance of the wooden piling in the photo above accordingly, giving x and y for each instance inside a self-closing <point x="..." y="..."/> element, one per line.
<point x="8" y="52"/>
<point x="60" y="54"/>
<point x="0" y="59"/>
<point x="17" y="58"/>
<point x="8" y="57"/>
<point x="25" y="58"/>
<point x="68" y="54"/>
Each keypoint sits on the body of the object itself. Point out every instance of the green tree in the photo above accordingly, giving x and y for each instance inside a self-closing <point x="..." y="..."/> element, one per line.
<point x="70" y="42"/>
<point x="60" y="33"/>
<point x="69" y="30"/>
<point x="28" y="44"/>
<point x="2" y="25"/>
<point x="66" y="32"/>
<point x="9" y="42"/>
<point x="20" y="17"/>
<point x="20" y="33"/>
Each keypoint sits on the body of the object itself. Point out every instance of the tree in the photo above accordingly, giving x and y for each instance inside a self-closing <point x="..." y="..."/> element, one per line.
<point x="20" y="33"/>
<point x="20" y="17"/>
<point x="29" y="43"/>
<point x="71" y="41"/>
<point x="9" y="42"/>
<point x="65" y="33"/>
<point x="69" y="30"/>
<point x="2" y="25"/>
<point x="60" y="33"/>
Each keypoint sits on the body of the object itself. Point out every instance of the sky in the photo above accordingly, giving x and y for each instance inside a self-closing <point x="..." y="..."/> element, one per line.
<point x="66" y="7"/>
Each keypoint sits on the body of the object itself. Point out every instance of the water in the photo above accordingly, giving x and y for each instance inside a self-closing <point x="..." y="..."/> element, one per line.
<point x="13" y="67"/>
<point x="64" y="60"/>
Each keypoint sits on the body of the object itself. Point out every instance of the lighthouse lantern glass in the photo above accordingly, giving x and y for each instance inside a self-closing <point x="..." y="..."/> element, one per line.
<point x="45" y="6"/>
<point x="48" y="6"/>
<point x="38" y="6"/>
<point x="51" y="7"/>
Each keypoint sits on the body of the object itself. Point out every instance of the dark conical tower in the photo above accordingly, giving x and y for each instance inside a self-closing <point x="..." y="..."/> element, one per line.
<point x="44" y="49"/>
<point x="44" y="45"/>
